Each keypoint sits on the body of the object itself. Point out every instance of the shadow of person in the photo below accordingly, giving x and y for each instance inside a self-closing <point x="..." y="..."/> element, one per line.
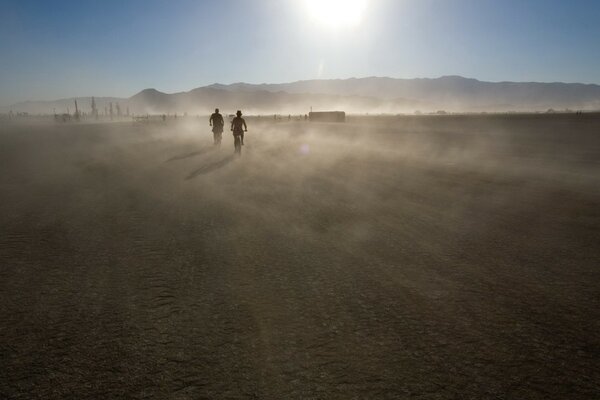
<point x="192" y="154"/>
<point x="205" y="169"/>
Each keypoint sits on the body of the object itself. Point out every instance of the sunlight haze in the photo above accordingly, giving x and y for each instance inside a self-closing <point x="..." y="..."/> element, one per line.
<point x="60" y="49"/>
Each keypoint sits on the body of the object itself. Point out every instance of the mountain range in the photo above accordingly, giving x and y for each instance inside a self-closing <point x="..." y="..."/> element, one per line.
<point x="355" y="95"/>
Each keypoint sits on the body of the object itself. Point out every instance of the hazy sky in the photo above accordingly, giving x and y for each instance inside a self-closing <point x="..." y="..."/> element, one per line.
<point x="55" y="49"/>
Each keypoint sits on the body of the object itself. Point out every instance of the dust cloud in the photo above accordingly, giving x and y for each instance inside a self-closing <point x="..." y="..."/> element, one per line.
<point x="383" y="257"/>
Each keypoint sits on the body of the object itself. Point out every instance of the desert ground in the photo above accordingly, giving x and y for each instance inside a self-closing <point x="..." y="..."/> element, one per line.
<point x="426" y="257"/>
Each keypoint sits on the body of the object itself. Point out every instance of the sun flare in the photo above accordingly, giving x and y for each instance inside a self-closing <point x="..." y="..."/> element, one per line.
<point x="337" y="13"/>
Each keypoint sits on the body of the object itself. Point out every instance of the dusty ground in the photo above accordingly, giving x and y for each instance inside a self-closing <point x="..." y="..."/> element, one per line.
<point x="429" y="258"/>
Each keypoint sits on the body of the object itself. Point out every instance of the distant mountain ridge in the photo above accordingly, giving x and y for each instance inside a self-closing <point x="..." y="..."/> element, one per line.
<point x="447" y="92"/>
<point x="372" y="94"/>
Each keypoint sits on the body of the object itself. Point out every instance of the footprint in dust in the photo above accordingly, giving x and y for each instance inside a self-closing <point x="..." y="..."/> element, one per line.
<point x="192" y="154"/>
<point x="205" y="169"/>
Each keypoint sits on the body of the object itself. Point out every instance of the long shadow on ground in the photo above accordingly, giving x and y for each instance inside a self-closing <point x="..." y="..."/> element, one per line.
<point x="192" y="154"/>
<point x="205" y="169"/>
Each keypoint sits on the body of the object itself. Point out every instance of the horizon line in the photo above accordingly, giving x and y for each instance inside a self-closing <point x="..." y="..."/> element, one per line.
<point x="296" y="81"/>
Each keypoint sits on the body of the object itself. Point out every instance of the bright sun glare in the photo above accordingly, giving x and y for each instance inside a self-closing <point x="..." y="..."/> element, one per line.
<point x="337" y="13"/>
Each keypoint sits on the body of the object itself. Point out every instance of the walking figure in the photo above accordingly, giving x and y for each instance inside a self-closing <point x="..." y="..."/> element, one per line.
<point x="216" y="121"/>
<point x="238" y="126"/>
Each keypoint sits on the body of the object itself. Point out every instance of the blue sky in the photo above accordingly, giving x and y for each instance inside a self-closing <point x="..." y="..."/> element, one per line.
<point x="56" y="49"/>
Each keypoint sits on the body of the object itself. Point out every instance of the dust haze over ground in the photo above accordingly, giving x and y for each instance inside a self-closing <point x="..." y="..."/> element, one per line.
<point x="425" y="257"/>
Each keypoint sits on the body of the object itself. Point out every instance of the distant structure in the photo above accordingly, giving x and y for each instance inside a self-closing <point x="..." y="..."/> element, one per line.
<point x="76" y="111"/>
<point x="94" y="108"/>
<point x="327" y="116"/>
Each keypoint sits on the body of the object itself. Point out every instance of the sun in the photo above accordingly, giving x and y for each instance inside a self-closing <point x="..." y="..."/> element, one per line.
<point x="337" y="13"/>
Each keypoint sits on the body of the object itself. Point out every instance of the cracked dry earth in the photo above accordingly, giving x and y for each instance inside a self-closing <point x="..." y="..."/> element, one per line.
<point x="390" y="258"/>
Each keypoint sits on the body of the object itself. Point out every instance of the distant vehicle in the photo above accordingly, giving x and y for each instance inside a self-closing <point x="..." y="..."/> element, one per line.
<point x="62" y="117"/>
<point x="327" y="116"/>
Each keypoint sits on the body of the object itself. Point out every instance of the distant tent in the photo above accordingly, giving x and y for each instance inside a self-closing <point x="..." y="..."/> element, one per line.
<point x="327" y="116"/>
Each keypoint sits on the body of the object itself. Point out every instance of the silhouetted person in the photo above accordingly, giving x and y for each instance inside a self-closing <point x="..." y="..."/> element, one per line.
<point x="217" y="122"/>
<point x="238" y="126"/>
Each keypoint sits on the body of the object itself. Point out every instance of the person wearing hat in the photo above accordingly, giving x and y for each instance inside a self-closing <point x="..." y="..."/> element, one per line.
<point x="237" y="124"/>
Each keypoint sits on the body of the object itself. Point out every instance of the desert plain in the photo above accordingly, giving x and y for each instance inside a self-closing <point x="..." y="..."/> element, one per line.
<point x="388" y="257"/>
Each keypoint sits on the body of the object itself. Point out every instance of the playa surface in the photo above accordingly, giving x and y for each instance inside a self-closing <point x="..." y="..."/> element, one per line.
<point x="413" y="257"/>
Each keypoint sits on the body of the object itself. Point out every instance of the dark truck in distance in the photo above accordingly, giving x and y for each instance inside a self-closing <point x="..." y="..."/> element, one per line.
<point x="327" y="116"/>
